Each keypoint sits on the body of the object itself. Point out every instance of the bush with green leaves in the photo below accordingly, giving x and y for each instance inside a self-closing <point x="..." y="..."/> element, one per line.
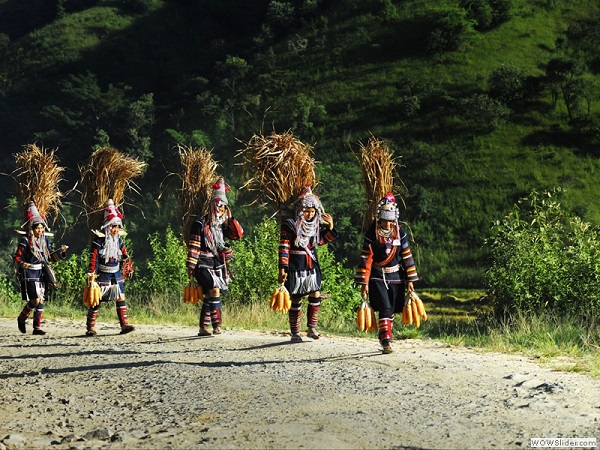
<point x="338" y="283"/>
<point x="71" y="277"/>
<point x="507" y="83"/>
<point x="166" y="273"/>
<point x="255" y="264"/>
<point x="8" y="294"/>
<point x="544" y="259"/>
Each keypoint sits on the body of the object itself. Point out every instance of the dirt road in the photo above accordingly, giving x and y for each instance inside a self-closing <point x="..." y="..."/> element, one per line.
<point x="162" y="387"/>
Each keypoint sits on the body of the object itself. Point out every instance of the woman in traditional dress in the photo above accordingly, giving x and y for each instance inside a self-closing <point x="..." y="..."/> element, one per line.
<point x="386" y="268"/>
<point x="209" y="257"/>
<point x="298" y="262"/>
<point x="109" y="265"/>
<point x="34" y="252"/>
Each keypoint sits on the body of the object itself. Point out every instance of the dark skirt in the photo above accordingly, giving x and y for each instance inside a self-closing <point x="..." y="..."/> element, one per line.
<point x="390" y="297"/>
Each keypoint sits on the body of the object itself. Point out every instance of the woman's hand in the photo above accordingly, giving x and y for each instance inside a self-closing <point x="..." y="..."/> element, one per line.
<point x="282" y="276"/>
<point x="328" y="220"/>
<point x="364" y="290"/>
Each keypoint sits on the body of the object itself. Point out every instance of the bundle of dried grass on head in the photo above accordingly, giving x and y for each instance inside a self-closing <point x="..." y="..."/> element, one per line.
<point x="37" y="176"/>
<point x="107" y="175"/>
<point x="278" y="167"/>
<point x="378" y="168"/>
<point x="198" y="174"/>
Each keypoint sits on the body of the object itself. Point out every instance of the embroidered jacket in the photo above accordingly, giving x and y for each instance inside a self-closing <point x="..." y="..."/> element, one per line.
<point x="120" y="268"/>
<point x="26" y="254"/>
<point x="200" y="253"/>
<point x="381" y="257"/>
<point x="294" y="258"/>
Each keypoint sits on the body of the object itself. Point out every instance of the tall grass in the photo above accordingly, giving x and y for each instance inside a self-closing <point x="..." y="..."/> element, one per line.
<point x="562" y="343"/>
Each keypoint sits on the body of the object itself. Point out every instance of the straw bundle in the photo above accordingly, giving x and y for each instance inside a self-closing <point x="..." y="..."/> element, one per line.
<point x="378" y="168"/>
<point x="107" y="175"/>
<point x="198" y="174"/>
<point x="37" y="176"/>
<point x="280" y="166"/>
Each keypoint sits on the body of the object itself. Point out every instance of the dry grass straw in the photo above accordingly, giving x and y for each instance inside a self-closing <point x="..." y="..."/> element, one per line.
<point x="277" y="167"/>
<point x="198" y="174"/>
<point x="37" y="176"/>
<point x="379" y="167"/>
<point x="107" y="175"/>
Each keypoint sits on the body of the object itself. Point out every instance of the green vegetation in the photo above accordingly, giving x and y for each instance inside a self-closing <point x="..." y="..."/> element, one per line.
<point x="484" y="102"/>
<point x="544" y="259"/>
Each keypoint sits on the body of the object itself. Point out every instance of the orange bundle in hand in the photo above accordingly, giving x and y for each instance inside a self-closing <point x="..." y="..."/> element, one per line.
<point x="413" y="312"/>
<point x="192" y="293"/>
<point x="92" y="293"/>
<point x="365" y="318"/>
<point x="280" y="300"/>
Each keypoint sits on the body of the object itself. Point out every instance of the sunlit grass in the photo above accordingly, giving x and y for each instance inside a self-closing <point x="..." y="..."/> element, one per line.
<point x="459" y="318"/>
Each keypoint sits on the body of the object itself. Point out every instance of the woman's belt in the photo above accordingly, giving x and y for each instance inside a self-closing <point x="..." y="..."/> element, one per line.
<point x="108" y="269"/>
<point x="35" y="267"/>
<point x="391" y="269"/>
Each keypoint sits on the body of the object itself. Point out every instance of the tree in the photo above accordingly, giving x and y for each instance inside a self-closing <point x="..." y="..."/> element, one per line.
<point x="89" y="115"/>
<point x="450" y="28"/>
<point x="85" y="108"/>
<point x="482" y="109"/>
<point x="234" y="99"/>
<point x="480" y="11"/>
<point x="507" y="84"/>
<point x="564" y="78"/>
<point x="280" y="15"/>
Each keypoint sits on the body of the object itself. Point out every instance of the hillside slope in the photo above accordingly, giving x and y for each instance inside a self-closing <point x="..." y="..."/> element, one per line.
<point x="147" y="74"/>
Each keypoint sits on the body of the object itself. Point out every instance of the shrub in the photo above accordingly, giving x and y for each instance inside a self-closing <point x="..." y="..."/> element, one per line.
<point x="544" y="259"/>
<point x="338" y="283"/>
<point x="507" y="83"/>
<point x="255" y="264"/>
<point x="70" y="275"/>
<point x="482" y="110"/>
<point x="168" y="273"/>
<point x="479" y="11"/>
<point x="8" y="294"/>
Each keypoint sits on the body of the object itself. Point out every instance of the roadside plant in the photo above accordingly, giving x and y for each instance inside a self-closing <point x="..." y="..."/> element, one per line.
<point x="70" y="274"/>
<point x="544" y="259"/>
<point x="167" y="270"/>
<point x="255" y="264"/>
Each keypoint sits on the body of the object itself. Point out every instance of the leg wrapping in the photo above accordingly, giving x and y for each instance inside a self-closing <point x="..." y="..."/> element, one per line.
<point x="215" y="311"/>
<point x="37" y="316"/>
<point x="314" y="304"/>
<point x="385" y="329"/>
<point x="295" y="315"/>
<point x="92" y="314"/>
<point x="122" y="313"/>
<point x="22" y="318"/>
<point x="205" y="318"/>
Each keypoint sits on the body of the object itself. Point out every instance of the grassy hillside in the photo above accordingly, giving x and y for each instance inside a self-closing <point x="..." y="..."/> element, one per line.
<point x="334" y="72"/>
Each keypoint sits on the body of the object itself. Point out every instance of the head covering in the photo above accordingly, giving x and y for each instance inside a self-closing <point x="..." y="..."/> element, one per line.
<point x="305" y="229"/>
<point x="308" y="200"/>
<point x="112" y="216"/>
<point x="34" y="217"/>
<point x="387" y="208"/>
<point x="220" y="190"/>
